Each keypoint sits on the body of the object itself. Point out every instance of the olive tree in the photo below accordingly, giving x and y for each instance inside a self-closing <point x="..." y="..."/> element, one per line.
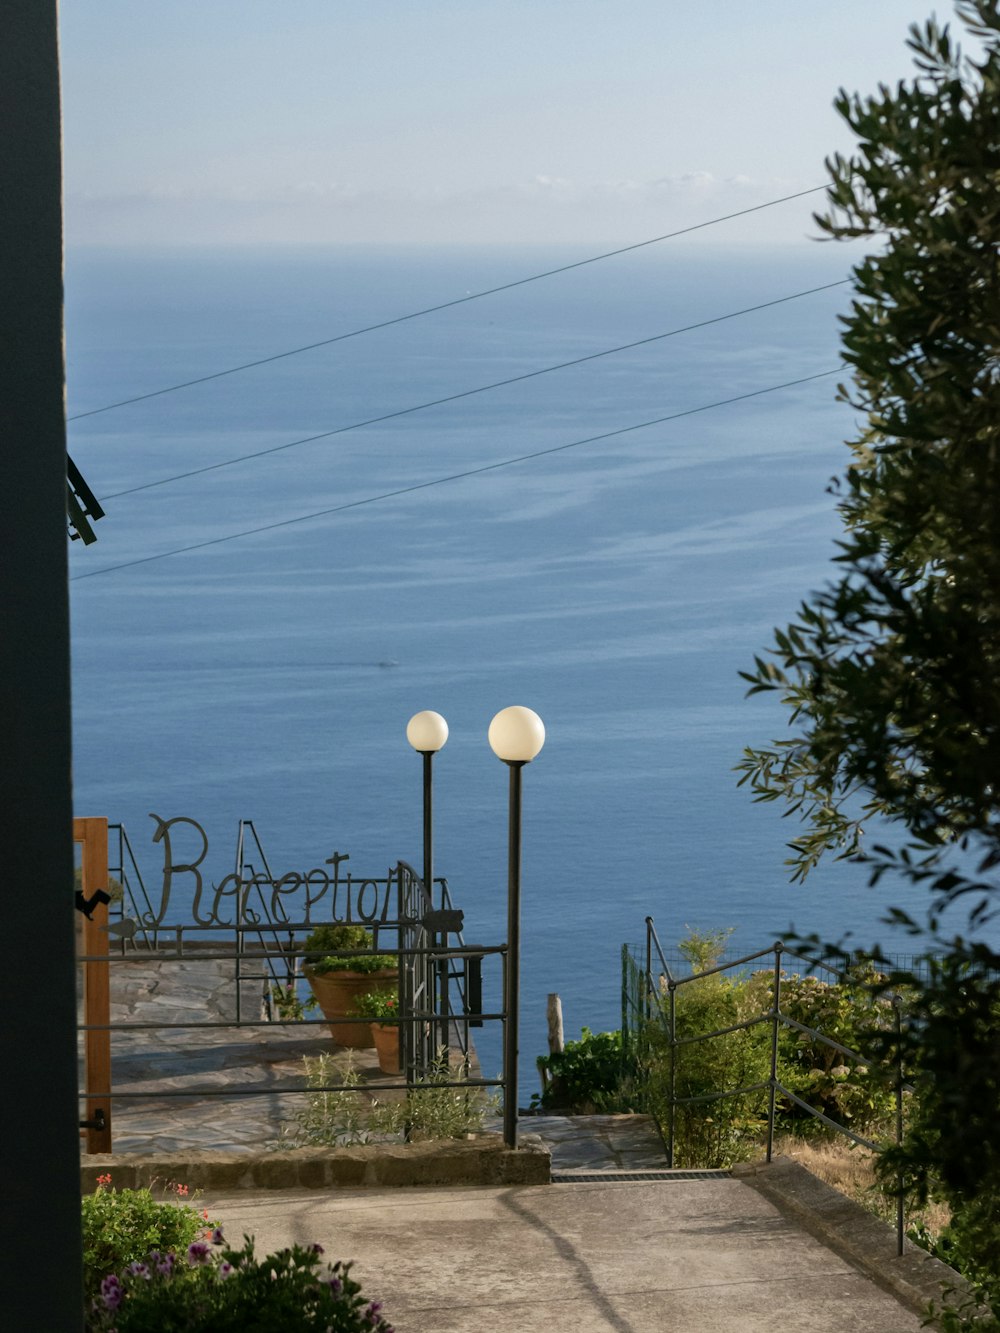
<point x="891" y="673"/>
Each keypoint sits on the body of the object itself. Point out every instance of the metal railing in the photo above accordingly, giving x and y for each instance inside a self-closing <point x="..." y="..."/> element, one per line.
<point x="439" y="976"/>
<point x="649" y="1005"/>
<point x="418" y="1019"/>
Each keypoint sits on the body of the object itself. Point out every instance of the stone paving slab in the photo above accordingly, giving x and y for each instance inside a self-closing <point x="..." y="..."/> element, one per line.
<point x="599" y="1142"/>
<point x="175" y="1058"/>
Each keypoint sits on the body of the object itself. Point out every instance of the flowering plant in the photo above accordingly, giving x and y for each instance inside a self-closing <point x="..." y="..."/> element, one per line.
<point x="381" y="1006"/>
<point x="213" y="1287"/>
<point x="120" y="1226"/>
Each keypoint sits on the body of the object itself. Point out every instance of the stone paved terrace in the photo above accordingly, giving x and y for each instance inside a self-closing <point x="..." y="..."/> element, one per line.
<point x="174" y="1058"/>
<point x="171" y="1060"/>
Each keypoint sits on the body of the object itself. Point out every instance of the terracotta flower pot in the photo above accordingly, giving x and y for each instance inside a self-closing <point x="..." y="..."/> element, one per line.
<point x="386" y="1036"/>
<point x="336" y="993"/>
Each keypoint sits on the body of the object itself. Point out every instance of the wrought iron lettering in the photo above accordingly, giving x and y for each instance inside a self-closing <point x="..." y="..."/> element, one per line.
<point x="170" y="868"/>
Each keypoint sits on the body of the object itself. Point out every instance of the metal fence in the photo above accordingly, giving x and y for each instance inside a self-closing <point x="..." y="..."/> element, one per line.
<point x="258" y="925"/>
<point x="650" y="990"/>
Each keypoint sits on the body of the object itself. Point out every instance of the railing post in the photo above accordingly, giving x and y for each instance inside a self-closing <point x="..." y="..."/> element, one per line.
<point x="773" y="1081"/>
<point x="648" y="989"/>
<point x="672" y="991"/>
<point x="900" y="1212"/>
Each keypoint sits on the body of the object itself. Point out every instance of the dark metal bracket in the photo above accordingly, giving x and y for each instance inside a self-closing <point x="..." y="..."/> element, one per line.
<point x="87" y="905"/>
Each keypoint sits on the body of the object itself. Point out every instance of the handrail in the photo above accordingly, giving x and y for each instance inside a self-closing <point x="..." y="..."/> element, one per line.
<point x="651" y="936"/>
<point x="664" y="1015"/>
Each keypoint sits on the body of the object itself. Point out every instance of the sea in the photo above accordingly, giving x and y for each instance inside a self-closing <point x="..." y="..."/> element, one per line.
<point x="250" y="638"/>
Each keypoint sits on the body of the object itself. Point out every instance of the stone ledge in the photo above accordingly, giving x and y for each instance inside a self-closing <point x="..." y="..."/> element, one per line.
<point x="483" y="1160"/>
<point x="915" y="1277"/>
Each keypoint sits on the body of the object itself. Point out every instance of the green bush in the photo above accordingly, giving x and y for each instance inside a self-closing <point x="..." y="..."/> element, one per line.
<point x="587" y="1076"/>
<point x="121" y="1226"/>
<point x="215" y="1289"/>
<point x="337" y="938"/>
<point x="859" y="1096"/>
<point x="717" y="1132"/>
<point x="969" y="1244"/>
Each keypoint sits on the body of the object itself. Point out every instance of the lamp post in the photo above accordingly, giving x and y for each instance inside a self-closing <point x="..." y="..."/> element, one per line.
<point x="516" y="736"/>
<point x="427" y="732"/>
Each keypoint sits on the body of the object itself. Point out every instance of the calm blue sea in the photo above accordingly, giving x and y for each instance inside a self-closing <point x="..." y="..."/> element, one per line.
<point x="617" y="588"/>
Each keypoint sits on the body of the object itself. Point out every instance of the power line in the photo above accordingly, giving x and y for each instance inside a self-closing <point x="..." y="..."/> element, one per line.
<point x="455" y="476"/>
<point x="468" y="393"/>
<point x="444" y="305"/>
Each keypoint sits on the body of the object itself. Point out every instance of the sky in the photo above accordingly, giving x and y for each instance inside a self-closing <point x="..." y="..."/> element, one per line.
<point x="288" y="122"/>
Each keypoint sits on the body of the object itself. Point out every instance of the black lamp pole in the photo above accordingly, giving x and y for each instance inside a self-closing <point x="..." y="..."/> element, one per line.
<point x="516" y="736"/>
<point x="428" y="757"/>
<point x="427" y="732"/>
<point x="512" y="962"/>
<point x="439" y="1004"/>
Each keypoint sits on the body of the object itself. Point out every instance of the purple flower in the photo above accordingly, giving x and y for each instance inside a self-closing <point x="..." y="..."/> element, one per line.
<point x="139" y="1269"/>
<point x="197" y="1253"/>
<point x="316" y="1249"/>
<point x="226" y="1269"/>
<point x="217" y="1237"/>
<point x="336" y="1286"/>
<point x="111" y="1292"/>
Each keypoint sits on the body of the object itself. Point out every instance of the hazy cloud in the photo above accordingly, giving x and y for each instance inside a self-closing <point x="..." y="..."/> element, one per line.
<point x="542" y="208"/>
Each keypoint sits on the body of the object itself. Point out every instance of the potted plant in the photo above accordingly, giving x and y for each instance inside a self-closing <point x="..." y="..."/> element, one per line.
<point x="381" y="1008"/>
<point x="340" y="967"/>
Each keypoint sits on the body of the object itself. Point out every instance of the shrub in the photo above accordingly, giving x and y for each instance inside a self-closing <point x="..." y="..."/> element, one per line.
<point x="857" y="1095"/>
<point x="721" y="1130"/>
<point x="120" y="1226"/>
<point x="968" y="1243"/>
<point x="587" y="1076"/>
<point x="716" y="1131"/>
<point x="338" y="938"/>
<point x="215" y="1289"/>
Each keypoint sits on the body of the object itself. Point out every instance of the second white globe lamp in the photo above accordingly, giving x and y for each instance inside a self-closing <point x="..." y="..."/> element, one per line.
<point x="516" y="735"/>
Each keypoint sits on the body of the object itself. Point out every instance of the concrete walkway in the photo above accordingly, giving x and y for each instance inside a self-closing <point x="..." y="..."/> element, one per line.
<point x="691" y="1256"/>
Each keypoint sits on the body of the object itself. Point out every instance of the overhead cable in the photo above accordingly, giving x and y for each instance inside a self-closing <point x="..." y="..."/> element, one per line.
<point x="468" y="393"/>
<point x="454" y="476"/>
<point x="444" y="305"/>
